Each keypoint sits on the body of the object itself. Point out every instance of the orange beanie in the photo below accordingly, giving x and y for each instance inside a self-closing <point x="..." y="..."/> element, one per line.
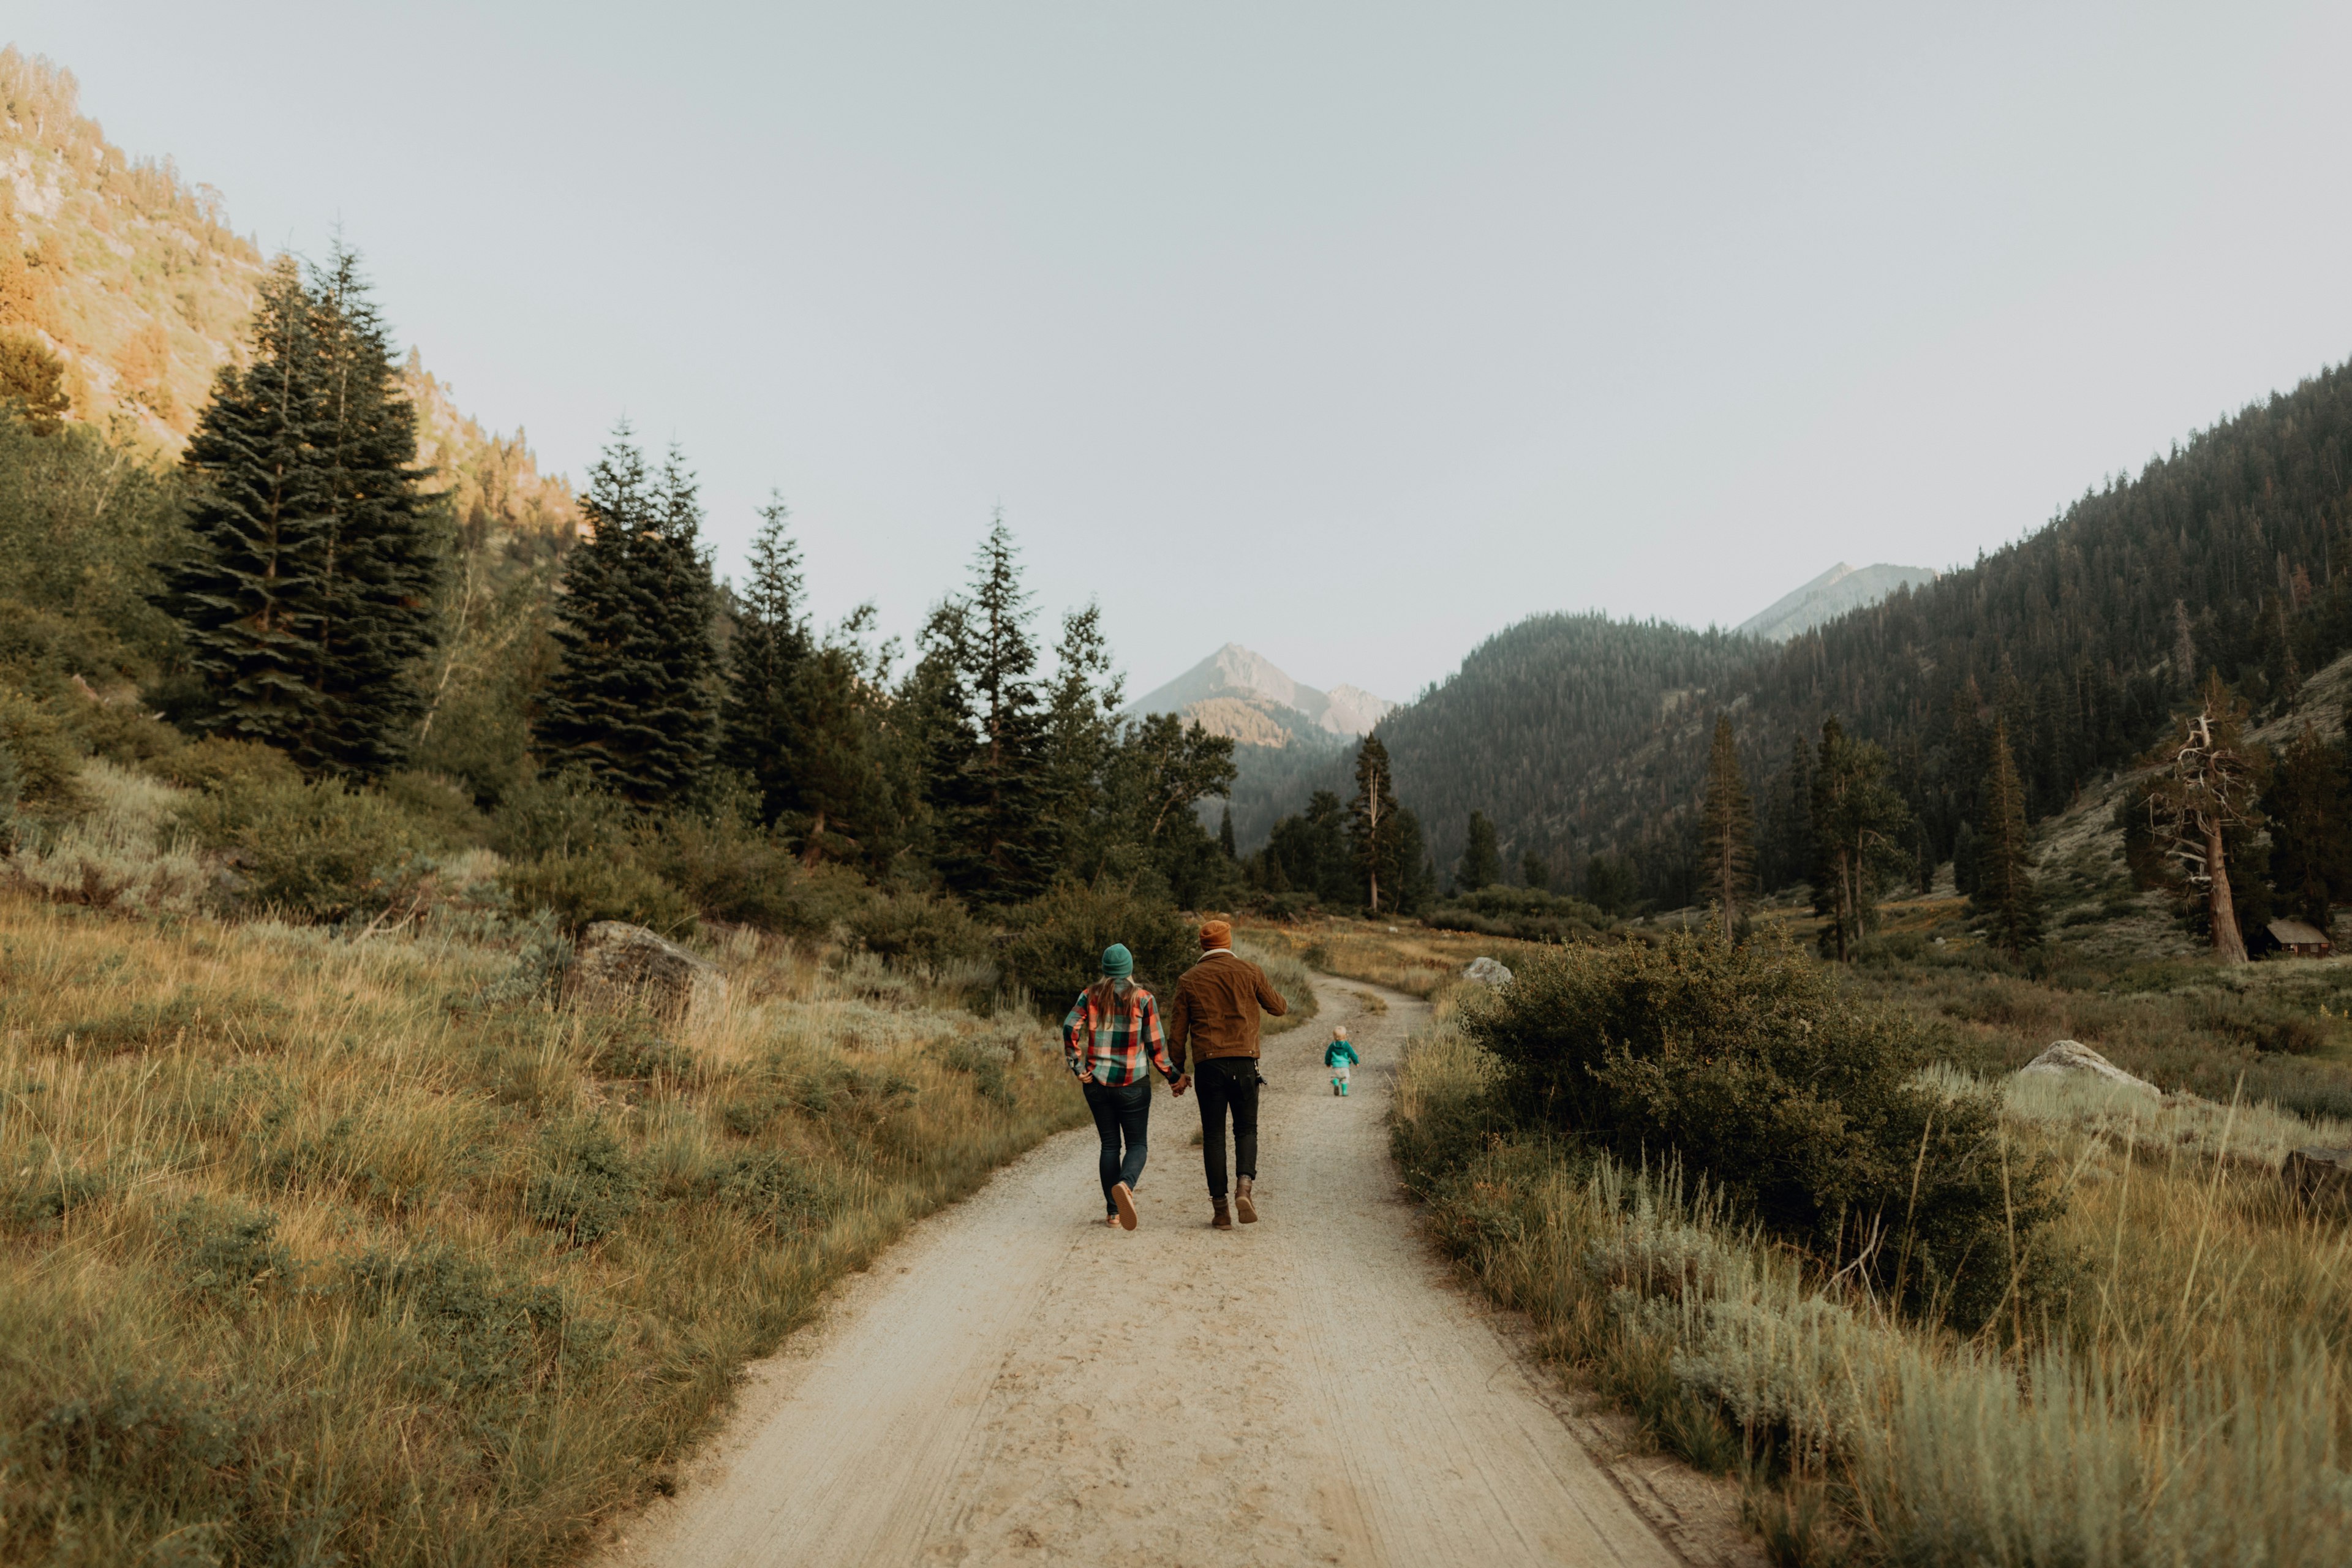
<point x="1217" y="933"/>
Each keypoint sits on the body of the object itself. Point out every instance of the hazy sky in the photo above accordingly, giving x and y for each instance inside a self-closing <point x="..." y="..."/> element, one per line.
<point x="1351" y="331"/>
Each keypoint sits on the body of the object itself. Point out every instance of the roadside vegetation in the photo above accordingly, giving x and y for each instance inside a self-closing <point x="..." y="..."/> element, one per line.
<point x="1989" y="1320"/>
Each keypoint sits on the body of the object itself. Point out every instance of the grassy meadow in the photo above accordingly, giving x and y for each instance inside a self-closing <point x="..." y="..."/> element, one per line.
<point x="327" y="1246"/>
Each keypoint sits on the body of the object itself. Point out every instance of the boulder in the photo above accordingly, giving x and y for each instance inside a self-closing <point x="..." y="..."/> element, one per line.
<point x="2069" y="1059"/>
<point x="1489" y="971"/>
<point x="2319" y="1175"/>
<point x="618" y="965"/>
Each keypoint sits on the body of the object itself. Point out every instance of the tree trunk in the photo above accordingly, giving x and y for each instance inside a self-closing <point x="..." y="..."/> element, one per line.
<point x="814" y="849"/>
<point x="2227" y="941"/>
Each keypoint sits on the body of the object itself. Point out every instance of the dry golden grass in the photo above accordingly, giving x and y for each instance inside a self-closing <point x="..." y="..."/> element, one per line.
<point x="2176" y="1388"/>
<point x="1407" y="957"/>
<point x="314" y="1248"/>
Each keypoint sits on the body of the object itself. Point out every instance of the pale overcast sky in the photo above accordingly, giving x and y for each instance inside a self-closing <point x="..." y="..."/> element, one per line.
<point x="1350" y="332"/>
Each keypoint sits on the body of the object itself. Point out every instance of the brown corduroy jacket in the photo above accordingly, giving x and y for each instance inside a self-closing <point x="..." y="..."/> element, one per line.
<point x="1216" y="1008"/>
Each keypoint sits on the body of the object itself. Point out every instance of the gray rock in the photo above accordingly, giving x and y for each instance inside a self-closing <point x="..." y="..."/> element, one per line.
<point x="2319" y="1175"/>
<point x="619" y="965"/>
<point x="2072" y="1058"/>
<point x="1489" y="972"/>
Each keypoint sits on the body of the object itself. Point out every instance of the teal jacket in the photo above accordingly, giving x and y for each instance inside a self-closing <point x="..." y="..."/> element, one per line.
<point x="1339" y="1051"/>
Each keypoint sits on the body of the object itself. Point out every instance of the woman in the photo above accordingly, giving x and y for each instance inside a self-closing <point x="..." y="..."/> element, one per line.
<point x="1113" y="1025"/>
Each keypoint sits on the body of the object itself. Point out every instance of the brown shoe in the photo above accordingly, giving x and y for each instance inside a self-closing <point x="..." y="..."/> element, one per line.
<point x="1222" y="1219"/>
<point x="1125" y="1202"/>
<point x="1244" y="1205"/>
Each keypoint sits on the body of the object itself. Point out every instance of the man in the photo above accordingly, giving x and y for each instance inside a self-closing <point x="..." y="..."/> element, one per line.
<point x="1114" y="1024"/>
<point x="1215" y="1018"/>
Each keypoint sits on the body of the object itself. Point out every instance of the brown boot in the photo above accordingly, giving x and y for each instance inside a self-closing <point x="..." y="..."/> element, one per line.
<point x="1244" y="1205"/>
<point x="1222" y="1219"/>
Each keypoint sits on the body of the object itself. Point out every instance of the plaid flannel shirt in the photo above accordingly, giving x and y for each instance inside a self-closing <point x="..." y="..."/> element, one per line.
<point x="1110" y="1034"/>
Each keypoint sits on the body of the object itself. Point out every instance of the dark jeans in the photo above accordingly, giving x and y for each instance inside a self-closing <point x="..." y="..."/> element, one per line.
<point x="1121" y="1114"/>
<point x="1227" y="1083"/>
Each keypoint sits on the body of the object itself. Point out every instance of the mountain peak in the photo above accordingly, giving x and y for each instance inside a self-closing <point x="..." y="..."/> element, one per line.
<point x="1833" y="593"/>
<point x="1242" y="693"/>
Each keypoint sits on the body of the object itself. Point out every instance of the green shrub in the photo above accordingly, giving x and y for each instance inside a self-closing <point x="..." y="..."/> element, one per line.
<point x="1057" y="941"/>
<point x="580" y="889"/>
<point x="1530" y="914"/>
<point x="920" y="927"/>
<point x="1796" y="1098"/>
<point x="47" y="762"/>
<point x="733" y="869"/>
<point x="562" y="813"/>
<point x="218" y="763"/>
<point x="440" y="811"/>
<point x="313" y="850"/>
<point x="586" y="1185"/>
<point x="227" y="1251"/>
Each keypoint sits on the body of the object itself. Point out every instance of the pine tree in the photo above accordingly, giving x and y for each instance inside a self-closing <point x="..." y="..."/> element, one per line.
<point x="2311" y="831"/>
<point x="1373" y="820"/>
<point x="633" y="701"/>
<point x="1081" y="735"/>
<point x="2005" y="896"/>
<point x="1535" y="871"/>
<point x="1726" y="830"/>
<point x="1859" y="827"/>
<point x="990" y="773"/>
<point x="760" y="714"/>
<point x="247" y="595"/>
<point x="305" y="598"/>
<point x="1481" y="862"/>
<point x="384" y="541"/>
<point x="1225" y="834"/>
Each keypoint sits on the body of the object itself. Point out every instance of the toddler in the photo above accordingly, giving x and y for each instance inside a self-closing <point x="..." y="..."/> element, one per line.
<point x="1339" y="1055"/>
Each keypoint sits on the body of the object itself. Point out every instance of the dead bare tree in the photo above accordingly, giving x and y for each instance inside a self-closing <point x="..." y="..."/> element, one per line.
<point x="2209" y="785"/>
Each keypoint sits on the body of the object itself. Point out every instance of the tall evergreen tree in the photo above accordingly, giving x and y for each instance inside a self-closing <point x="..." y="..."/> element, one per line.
<point x="1372" y="826"/>
<point x="1535" y="871"/>
<point x="2005" y="896"/>
<point x="1726" y="830"/>
<point x="2311" y="831"/>
<point x="767" y="670"/>
<point x="634" y="700"/>
<point x="1481" y="861"/>
<point x="385" y="539"/>
<point x="1225" y="834"/>
<point x="305" y="598"/>
<point x="991" y="767"/>
<point x="1860" y="825"/>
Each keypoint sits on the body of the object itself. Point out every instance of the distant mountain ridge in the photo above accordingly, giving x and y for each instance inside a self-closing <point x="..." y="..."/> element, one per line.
<point x="1829" y="596"/>
<point x="1243" y="694"/>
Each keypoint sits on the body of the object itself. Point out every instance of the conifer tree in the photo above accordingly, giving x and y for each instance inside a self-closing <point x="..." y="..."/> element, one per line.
<point x="2311" y="831"/>
<point x="1535" y="871"/>
<point x="1225" y="834"/>
<point x="305" y="598"/>
<point x="1481" y="861"/>
<point x="384" y="544"/>
<point x="633" y="701"/>
<point x="2005" y="896"/>
<point x="991" y="772"/>
<point x="767" y="659"/>
<point x="1859" y="827"/>
<point x="1726" y="830"/>
<point x="1373" y="826"/>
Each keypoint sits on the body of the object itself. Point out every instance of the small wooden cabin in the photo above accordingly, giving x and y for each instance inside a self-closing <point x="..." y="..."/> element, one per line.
<point x="2299" y="939"/>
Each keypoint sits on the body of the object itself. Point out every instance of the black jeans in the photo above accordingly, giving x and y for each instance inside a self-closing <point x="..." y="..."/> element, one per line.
<point x="1120" y="1114"/>
<point x="1227" y="1083"/>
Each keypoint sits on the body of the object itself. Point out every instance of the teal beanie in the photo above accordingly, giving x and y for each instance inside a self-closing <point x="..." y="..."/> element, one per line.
<point x="1117" y="963"/>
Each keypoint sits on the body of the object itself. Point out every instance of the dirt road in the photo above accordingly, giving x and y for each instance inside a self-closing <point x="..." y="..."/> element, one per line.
<point x="1018" y="1384"/>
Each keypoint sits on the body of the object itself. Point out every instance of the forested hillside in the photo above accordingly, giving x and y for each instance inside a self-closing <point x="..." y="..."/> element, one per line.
<point x="1579" y="736"/>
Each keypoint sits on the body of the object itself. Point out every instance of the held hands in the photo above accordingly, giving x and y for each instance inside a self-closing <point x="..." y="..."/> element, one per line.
<point x="1179" y="1084"/>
